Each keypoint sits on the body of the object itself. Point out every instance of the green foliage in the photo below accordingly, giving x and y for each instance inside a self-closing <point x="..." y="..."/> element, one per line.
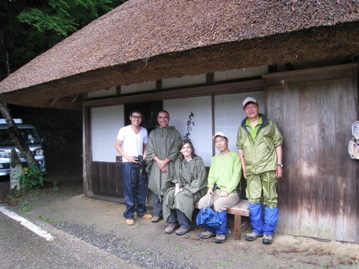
<point x="56" y="188"/>
<point x="32" y="176"/>
<point x="26" y="207"/>
<point x="48" y="220"/>
<point x="63" y="17"/>
<point x="59" y="24"/>
<point x="224" y="263"/>
<point x="28" y="28"/>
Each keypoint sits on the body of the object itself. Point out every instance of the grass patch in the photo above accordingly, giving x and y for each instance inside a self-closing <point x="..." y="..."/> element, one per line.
<point x="224" y="263"/>
<point x="48" y="220"/>
<point x="26" y="207"/>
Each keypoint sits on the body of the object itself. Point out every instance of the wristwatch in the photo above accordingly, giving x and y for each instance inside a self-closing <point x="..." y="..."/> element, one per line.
<point x="280" y="164"/>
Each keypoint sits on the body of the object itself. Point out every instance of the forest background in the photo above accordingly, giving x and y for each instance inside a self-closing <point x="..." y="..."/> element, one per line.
<point x="29" y="28"/>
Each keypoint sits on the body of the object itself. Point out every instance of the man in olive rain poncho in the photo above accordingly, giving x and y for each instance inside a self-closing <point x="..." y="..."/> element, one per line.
<point x="162" y="152"/>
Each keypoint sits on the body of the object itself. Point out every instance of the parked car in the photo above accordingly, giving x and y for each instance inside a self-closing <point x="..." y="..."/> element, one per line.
<point x="30" y="136"/>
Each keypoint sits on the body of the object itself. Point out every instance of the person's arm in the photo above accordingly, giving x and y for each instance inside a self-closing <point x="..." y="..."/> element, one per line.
<point x="198" y="178"/>
<point x="243" y="163"/>
<point x="161" y="163"/>
<point x="151" y="154"/>
<point x="211" y="177"/>
<point x="234" y="176"/>
<point x="177" y="188"/>
<point x="150" y="147"/>
<point x="210" y="181"/>
<point x="239" y="145"/>
<point x="210" y="192"/>
<point x="172" y="153"/>
<point x="279" y="170"/>
<point x="175" y="176"/>
<point x="122" y="152"/>
<point x="278" y="141"/>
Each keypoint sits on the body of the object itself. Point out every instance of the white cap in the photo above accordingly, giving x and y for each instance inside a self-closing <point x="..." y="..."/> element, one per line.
<point x="249" y="100"/>
<point x="219" y="134"/>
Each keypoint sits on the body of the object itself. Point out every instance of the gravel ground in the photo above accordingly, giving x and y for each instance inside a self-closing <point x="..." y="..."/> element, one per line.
<point x="122" y="248"/>
<point x="71" y="187"/>
<point x="100" y="223"/>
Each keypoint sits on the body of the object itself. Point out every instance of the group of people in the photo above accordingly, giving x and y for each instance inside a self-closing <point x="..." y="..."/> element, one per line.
<point x="177" y="177"/>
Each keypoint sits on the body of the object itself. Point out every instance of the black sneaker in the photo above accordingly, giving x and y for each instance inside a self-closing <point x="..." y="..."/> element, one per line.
<point x="267" y="239"/>
<point x="252" y="236"/>
<point x="220" y="238"/>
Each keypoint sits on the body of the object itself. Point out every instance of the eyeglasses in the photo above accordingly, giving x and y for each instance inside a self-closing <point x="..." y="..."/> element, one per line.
<point x="136" y="117"/>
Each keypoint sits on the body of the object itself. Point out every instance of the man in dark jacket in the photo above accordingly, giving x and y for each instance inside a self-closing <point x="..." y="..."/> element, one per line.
<point x="259" y="144"/>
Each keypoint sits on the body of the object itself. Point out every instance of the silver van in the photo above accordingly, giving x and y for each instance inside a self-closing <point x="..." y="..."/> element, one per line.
<point x="30" y="136"/>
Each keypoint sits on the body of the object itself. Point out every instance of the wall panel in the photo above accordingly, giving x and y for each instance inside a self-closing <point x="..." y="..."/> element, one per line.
<point x="319" y="191"/>
<point x="105" y="124"/>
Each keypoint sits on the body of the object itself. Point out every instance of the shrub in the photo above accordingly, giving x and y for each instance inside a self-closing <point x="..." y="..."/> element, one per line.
<point x="32" y="177"/>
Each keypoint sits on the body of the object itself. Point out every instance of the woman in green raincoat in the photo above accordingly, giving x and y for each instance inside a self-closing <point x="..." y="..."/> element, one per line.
<point x="190" y="184"/>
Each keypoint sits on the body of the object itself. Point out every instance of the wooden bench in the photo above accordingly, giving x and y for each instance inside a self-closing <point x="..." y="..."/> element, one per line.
<point x="239" y="210"/>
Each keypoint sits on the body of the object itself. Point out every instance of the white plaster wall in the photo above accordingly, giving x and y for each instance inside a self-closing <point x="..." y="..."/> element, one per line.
<point x="105" y="124"/>
<point x="107" y="121"/>
<point x="229" y="114"/>
<point x="199" y="126"/>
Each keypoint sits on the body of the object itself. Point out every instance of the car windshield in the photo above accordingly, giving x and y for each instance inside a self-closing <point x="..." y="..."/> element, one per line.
<point x="29" y="135"/>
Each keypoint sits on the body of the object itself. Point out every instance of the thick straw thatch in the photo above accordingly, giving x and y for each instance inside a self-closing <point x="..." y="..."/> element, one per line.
<point x="152" y="39"/>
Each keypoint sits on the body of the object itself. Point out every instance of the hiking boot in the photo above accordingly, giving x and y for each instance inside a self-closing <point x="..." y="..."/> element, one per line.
<point x="182" y="231"/>
<point x="206" y="235"/>
<point x="130" y="222"/>
<point x="220" y="238"/>
<point x="171" y="227"/>
<point x="156" y="219"/>
<point x="267" y="239"/>
<point x="146" y="216"/>
<point x="252" y="236"/>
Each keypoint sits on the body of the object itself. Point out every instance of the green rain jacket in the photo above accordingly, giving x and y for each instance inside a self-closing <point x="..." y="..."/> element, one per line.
<point x="225" y="172"/>
<point x="259" y="155"/>
<point x="162" y="142"/>
<point x="192" y="178"/>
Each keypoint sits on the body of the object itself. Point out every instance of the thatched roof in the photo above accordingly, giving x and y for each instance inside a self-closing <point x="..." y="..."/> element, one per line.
<point x="145" y="40"/>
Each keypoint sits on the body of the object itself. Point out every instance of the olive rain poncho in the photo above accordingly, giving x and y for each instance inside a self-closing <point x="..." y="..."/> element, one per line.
<point x="192" y="178"/>
<point x="163" y="143"/>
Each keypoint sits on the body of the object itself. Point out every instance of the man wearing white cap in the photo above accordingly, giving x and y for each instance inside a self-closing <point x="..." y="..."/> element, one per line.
<point x="259" y="144"/>
<point x="223" y="179"/>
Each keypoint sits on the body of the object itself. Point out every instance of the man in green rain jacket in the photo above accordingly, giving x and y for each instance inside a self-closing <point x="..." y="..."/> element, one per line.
<point x="162" y="152"/>
<point x="259" y="144"/>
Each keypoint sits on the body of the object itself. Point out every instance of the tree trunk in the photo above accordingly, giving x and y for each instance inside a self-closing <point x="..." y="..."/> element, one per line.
<point x="16" y="136"/>
<point x="15" y="171"/>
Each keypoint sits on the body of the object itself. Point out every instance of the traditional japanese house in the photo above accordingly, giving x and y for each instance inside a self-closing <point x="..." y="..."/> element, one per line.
<point x="199" y="60"/>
